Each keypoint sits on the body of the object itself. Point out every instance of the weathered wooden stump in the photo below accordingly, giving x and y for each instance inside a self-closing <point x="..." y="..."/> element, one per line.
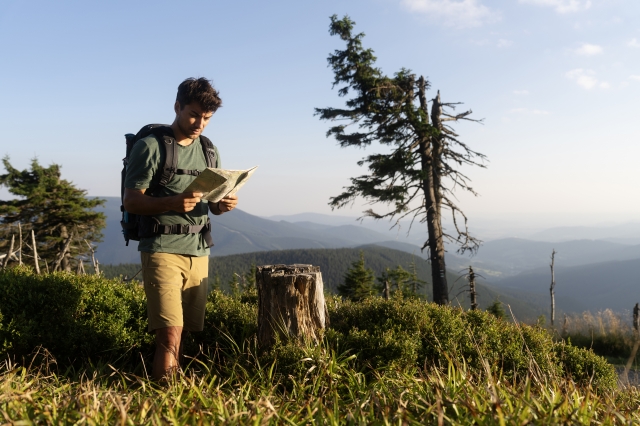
<point x="290" y="303"/>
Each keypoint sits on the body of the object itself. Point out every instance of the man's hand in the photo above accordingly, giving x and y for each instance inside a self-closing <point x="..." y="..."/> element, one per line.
<point x="227" y="204"/>
<point x="185" y="202"/>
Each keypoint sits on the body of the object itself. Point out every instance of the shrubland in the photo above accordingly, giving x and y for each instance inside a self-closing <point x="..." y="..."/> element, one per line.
<point x="76" y="349"/>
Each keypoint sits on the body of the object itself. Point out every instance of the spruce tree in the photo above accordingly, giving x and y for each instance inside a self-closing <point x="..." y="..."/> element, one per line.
<point x="61" y="215"/>
<point x="358" y="281"/>
<point x="420" y="168"/>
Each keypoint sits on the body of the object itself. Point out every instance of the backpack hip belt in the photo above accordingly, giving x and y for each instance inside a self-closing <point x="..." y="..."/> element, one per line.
<point x="150" y="226"/>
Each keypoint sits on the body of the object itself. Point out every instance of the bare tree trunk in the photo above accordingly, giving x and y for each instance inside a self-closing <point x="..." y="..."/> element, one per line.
<point x="290" y="303"/>
<point x="64" y="262"/>
<point x="20" y="244"/>
<point x="62" y="255"/>
<point x="80" y="268"/>
<point x="634" y="351"/>
<point x="472" y="289"/>
<point x="94" y="261"/>
<point x="35" y="252"/>
<point x="552" y="288"/>
<point x="387" y="290"/>
<point x="432" y="205"/>
<point x="8" y="257"/>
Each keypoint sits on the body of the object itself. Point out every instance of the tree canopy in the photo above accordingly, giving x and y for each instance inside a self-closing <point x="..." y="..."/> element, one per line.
<point x="416" y="179"/>
<point x="62" y="216"/>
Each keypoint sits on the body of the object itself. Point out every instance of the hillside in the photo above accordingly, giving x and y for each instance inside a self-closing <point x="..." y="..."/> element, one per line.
<point x="240" y="232"/>
<point x="335" y="262"/>
<point x="599" y="286"/>
<point x="511" y="256"/>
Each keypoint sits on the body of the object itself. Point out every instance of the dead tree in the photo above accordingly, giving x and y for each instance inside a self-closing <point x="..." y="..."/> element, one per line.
<point x="61" y="260"/>
<point x="19" y="244"/>
<point x="35" y="252"/>
<point x="290" y="303"/>
<point x="634" y="351"/>
<point x="552" y="288"/>
<point x="472" y="289"/>
<point x="9" y="253"/>
<point x="94" y="261"/>
<point x="80" y="268"/>
<point x="387" y="290"/>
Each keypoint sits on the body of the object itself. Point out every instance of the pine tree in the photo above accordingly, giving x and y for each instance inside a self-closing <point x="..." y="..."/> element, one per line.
<point x="358" y="281"/>
<point x="496" y="309"/>
<point x="417" y="176"/>
<point x="61" y="215"/>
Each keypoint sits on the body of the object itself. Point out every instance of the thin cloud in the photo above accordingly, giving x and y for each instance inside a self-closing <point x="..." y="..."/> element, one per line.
<point x="589" y="50"/>
<point x="529" y="111"/>
<point x="586" y="79"/>
<point x="562" y="6"/>
<point x="633" y="43"/>
<point x="504" y="43"/>
<point x="634" y="77"/>
<point x="521" y="92"/>
<point x="454" y="13"/>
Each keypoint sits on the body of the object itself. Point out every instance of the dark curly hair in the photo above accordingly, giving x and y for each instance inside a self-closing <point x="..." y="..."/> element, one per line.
<point x="201" y="91"/>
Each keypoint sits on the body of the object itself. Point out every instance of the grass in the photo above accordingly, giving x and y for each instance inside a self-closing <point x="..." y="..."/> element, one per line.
<point x="330" y="390"/>
<point x="401" y="361"/>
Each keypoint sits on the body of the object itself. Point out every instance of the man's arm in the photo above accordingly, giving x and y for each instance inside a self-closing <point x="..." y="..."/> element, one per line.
<point x="227" y="204"/>
<point x="137" y="203"/>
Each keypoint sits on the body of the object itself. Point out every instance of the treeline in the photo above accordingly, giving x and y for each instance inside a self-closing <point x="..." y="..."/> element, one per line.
<point x="334" y="264"/>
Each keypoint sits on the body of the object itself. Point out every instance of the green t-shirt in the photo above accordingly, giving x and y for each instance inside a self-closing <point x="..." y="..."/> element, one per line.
<point x="145" y="160"/>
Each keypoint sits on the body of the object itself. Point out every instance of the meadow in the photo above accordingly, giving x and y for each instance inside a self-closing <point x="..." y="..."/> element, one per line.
<point x="401" y="361"/>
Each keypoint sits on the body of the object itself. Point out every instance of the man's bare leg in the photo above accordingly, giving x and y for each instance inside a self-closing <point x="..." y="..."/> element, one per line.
<point x="168" y="349"/>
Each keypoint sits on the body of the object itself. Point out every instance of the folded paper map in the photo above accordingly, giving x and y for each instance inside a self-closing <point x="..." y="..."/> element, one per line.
<point x="215" y="184"/>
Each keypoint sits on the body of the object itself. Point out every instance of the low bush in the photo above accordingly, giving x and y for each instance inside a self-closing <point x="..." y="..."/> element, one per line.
<point x="73" y="317"/>
<point x="81" y="318"/>
<point x="409" y="333"/>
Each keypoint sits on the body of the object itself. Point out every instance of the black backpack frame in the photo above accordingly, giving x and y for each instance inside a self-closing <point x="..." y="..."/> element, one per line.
<point x="136" y="226"/>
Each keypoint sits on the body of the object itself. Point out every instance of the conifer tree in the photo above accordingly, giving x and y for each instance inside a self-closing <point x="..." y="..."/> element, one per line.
<point x="417" y="175"/>
<point x="358" y="281"/>
<point x="61" y="215"/>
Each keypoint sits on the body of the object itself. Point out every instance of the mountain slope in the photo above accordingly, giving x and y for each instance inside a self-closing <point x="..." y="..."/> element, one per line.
<point x="334" y="263"/>
<point x="240" y="232"/>
<point x="511" y="256"/>
<point x="607" y="285"/>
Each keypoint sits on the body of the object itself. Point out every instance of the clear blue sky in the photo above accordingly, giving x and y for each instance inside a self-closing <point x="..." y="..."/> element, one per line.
<point x="556" y="81"/>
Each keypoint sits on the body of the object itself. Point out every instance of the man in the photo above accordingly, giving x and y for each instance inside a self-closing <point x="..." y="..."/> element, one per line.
<point x="175" y="266"/>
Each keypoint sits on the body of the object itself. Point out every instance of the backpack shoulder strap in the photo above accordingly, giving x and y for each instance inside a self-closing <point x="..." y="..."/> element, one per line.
<point x="164" y="135"/>
<point x="210" y="151"/>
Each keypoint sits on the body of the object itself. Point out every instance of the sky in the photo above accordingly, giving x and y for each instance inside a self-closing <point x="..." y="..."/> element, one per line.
<point x="556" y="83"/>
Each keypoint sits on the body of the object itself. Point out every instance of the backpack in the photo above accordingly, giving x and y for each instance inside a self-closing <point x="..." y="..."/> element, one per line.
<point x="136" y="226"/>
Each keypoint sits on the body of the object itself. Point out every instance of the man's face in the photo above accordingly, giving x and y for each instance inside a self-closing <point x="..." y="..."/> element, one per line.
<point x="192" y="119"/>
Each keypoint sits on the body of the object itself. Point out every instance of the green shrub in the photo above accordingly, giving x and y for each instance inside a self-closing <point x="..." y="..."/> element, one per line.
<point x="87" y="317"/>
<point x="74" y="317"/>
<point x="584" y="366"/>
<point x="228" y="321"/>
<point x="409" y="333"/>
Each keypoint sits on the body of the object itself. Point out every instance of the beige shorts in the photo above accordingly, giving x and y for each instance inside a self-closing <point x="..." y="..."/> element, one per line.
<point x="176" y="286"/>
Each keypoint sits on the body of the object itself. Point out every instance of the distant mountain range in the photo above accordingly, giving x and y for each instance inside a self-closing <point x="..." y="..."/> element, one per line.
<point x="511" y="256"/>
<point x="240" y="232"/>
<point x="334" y="263"/>
<point x="584" y="266"/>
<point x="598" y="286"/>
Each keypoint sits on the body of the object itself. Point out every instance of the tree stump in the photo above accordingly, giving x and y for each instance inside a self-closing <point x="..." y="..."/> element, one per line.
<point x="290" y="303"/>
